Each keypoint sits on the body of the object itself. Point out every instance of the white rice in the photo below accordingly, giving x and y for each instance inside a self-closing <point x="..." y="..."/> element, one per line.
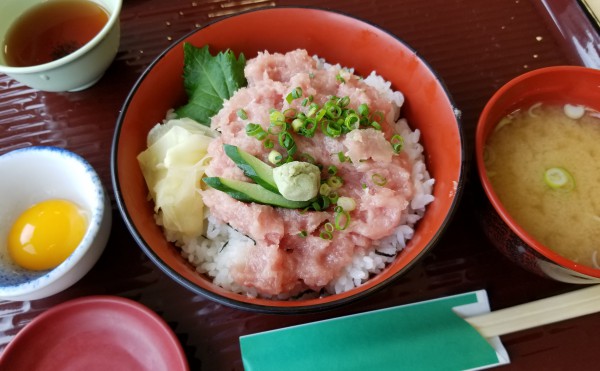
<point x="222" y="247"/>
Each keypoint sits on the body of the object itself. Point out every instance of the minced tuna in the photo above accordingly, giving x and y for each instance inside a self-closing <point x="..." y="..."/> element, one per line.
<point x="275" y="252"/>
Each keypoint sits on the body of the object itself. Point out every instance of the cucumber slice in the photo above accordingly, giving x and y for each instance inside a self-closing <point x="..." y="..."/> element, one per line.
<point x="252" y="167"/>
<point x="250" y="192"/>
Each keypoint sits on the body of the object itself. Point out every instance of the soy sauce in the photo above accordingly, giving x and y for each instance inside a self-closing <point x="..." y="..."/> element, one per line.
<point x="52" y="30"/>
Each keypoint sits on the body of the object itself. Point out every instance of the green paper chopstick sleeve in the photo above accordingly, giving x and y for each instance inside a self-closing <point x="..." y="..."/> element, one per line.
<point x="429" y="335"/>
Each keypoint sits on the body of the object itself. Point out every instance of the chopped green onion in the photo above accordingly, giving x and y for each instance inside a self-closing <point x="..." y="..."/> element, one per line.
<point x="333" y="196"/>
<point x="276" y="117"/>
<point x="376" y="125"/>
<point x="242" y="114"/>
<point x="253" y="129"/>
<point x="326" y="202"/>
<point x="346" y="203"/>
<point x="325" y="189"/>
<point x="342" y="220"/>
<point x="344" y="101"/>
<point x="268" y="143"/>
<point x="339" y="78"/>
<point x="287" y="141"/>
<point x="342" y="157"/>
<point x="378" y="179"/>
<point x="262" y="135"/>
<point x="331" y="128"/>
<point x="274" y="157"/>
<point x="312" y="109"/>
<point x="309" y="128"/>
<point x="559" y="178"/>
<point x="297" y="124"/>
<point x="320" y="114"/>
<point x="326" y="235"/>
<point x="304" y="102"/>
<point x="274" y="129"/>
<point x="290" y="113"/>
<point x="329" y="227"/>
<point x="297" y="92"/>
<point x="333" y="111"/>
<point x="351" y="121"/>
<point x="363" y="110"/>
<point x="302" y="233"/>
<point x="294" y="94"/>
<point x="332" y="169"/>
<point x="397" y="143"/>
<point x="335" y="182"/>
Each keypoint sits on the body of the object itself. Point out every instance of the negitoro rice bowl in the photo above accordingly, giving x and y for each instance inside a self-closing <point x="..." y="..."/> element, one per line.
<point x="372" y="171"/>
<point x="386" y="183"/>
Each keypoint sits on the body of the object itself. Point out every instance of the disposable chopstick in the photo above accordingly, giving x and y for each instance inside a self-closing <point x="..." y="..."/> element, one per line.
<point x="537" y="313"/>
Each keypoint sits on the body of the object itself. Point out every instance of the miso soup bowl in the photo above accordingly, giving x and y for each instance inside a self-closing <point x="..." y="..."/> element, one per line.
<point x="355" y="43"/>
<point x="76" y="71"/>
<point x="555" y="85"/>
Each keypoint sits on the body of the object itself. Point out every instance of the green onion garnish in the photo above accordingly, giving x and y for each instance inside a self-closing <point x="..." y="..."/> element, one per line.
<point x="342" y="220"/>
<point x="325" y="189"/>
<point x="287" y="141"/>
<point x="326" y="235"/>
<point x="242" y="114"/>
<point x="351" y="121"/>
<point x="363" y="110"/>
<point x="329" y="227"/>
<point x="274" y="157"/>
<point x="294" y="94"/>
<point x="342" y="157"/>
<point x="378" y="179"/>
<point x="397" y="143"/>
<point x="559" y="178"/>
<point x="346" y="203"/>
<point x="253" y="129"/>
<point x="335" y="182"/>
<point x="268" y="143"/>
<point x="343" y="101"/>
<point x="297" y="124"/>
<point x="276" y="117"/>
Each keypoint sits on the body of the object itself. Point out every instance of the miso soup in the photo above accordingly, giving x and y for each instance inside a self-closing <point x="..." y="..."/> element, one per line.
<point x="544" y="165"/>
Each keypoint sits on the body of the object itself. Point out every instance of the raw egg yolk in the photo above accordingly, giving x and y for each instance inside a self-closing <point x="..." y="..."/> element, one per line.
<point x="46" y="234"/>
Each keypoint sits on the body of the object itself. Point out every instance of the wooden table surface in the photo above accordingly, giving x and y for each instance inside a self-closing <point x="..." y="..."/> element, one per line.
<point x="475" y="46"/>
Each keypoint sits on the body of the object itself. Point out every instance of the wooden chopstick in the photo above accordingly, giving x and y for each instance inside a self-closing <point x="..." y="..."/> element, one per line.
<point x="537" y="313"/>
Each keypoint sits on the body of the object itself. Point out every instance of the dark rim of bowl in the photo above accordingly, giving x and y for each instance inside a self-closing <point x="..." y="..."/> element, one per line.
<point x="301" y="309"/>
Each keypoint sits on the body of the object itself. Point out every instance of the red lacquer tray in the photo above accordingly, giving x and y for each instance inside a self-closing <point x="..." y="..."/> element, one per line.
<point x="475" y="46"/>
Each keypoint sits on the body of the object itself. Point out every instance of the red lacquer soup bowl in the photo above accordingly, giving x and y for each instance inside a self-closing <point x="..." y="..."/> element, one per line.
<point x="557" y="85"/>
<point x="338" y="39"/>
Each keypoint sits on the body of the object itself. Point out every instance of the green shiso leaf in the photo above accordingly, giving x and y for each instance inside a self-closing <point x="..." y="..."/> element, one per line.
<point x="209" y="80"/>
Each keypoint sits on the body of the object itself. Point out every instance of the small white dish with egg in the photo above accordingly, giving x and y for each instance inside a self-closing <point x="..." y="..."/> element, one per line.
<point x="55" y="219"/>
